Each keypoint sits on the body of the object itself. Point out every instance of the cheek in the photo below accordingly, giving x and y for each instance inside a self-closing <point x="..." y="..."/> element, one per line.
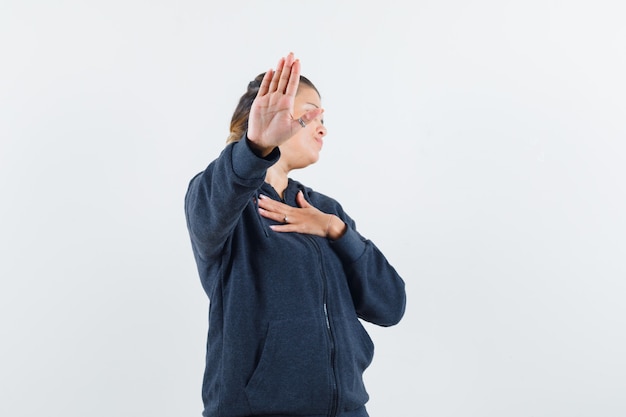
<point x="299" y="144"/>
<point x="297" y="140"/>
<point x="293" y="146"/>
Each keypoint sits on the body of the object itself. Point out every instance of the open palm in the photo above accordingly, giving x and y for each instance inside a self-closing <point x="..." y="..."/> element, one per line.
<point x="271" y="120"/>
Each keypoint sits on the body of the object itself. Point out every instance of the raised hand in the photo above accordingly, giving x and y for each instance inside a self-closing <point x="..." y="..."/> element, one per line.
<point x="271" y="121"/>
<point x="305" y="219"/>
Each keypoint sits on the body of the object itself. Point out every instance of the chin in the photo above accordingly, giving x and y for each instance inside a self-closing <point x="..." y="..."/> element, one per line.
<point x="307" y="163"/>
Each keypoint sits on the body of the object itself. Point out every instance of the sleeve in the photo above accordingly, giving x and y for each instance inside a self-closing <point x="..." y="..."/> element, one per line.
<point x="217" y="196"/>
<point x="378" y="292"/>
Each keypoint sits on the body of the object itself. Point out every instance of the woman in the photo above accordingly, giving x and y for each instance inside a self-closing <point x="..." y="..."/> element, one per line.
<point x="286" y="272"/>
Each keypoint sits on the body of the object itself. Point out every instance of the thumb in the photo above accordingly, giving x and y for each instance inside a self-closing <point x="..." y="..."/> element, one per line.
<point x="301" y="200"/>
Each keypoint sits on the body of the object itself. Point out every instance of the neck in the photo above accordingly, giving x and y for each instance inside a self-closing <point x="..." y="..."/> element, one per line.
<point x="278" y="177"/>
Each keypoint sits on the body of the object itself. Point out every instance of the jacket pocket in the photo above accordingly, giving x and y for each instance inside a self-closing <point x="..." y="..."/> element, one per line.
<point x="354" y="356"/>
<point x="293" y="374"/>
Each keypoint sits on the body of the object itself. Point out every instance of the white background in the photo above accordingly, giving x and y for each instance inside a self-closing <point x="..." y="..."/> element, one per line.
<point x="479" y="144"/>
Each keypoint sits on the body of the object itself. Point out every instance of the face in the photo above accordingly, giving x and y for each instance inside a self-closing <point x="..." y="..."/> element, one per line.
<point x="304" y="147"/>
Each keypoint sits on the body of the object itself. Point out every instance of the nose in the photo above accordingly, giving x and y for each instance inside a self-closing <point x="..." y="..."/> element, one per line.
<point x="320" y="129"/>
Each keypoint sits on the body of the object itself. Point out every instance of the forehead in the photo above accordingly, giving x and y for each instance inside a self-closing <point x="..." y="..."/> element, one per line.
<point x="308" y="95"/>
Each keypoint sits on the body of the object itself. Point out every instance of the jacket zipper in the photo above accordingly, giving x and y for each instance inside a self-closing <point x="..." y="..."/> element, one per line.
<point x="334" y="385"/>
<point x="329" y="330"/>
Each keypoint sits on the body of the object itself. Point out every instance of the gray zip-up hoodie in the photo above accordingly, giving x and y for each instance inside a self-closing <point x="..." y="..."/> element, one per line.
<point x="284" y="334"/>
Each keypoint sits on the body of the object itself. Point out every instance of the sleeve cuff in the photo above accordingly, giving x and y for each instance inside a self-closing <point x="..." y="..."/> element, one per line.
<point x="247" y="165"/>
<point x="350" y="246"/>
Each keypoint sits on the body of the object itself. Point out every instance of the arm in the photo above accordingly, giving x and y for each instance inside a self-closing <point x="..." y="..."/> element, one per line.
<point x="377" y="290"/>
<point x="216" y="197"/>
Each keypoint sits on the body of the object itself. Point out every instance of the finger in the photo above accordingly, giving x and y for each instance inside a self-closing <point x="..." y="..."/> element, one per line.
<point x="265" y="83"/>
<point x="301" y="200"/>
<point x="309" y="116"/>
<point x="285" y="74"/>
<point x="294" y="79"/>
<point x="273" y="215"/>
<point x="275" y="210"/>
<point x="285" y="228"/>
<point x="272" y="205"/>
<point x="276" y="75"/>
